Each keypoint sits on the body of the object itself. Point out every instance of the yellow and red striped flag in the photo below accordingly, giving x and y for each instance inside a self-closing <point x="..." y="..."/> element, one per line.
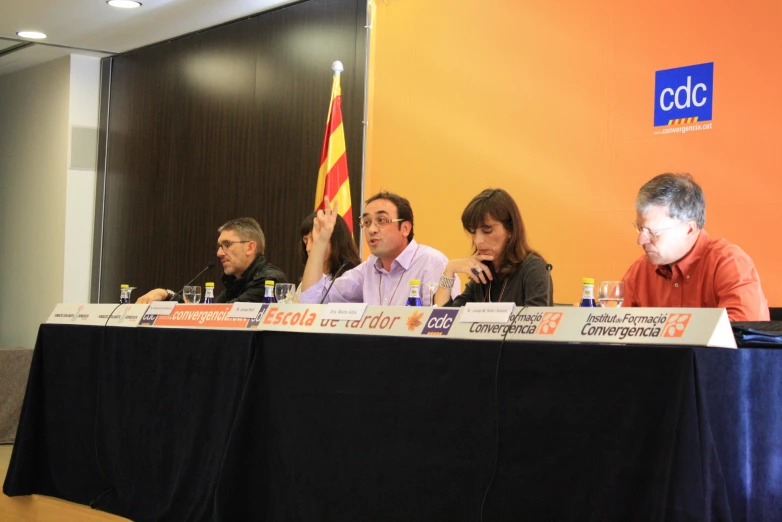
<point x="333" y="174"/>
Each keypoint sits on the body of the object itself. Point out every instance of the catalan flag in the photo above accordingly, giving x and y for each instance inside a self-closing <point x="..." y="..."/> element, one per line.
<point x="333" y="174"/>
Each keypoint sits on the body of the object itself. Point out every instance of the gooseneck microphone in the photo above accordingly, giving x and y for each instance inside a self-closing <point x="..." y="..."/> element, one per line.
<point x="199" y="274"/>
<point x="549" y="268"/>
<point x="339" y="271"/>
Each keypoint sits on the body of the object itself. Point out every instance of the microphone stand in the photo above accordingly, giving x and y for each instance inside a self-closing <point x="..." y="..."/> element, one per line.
<point x="339" y="271"/>
<point x="549" y="267"/>
<point x="199" y="274"/>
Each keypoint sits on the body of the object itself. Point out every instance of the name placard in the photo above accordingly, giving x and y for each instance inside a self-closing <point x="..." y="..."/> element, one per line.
<point x="161" y="307"/>
<point x="344" y="311"/>
<point x="245" y="310"/>
<point x="486" y="312"/>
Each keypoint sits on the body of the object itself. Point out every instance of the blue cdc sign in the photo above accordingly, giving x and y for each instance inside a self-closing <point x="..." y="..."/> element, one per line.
<point x="683" y="92"/>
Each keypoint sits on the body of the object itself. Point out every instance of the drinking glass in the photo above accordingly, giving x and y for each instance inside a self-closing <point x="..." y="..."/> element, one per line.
<point x="611" y="294"/>
<point x="192" y="294"/>
<point x="284" y="292"/>
<point x="432" y="286"/>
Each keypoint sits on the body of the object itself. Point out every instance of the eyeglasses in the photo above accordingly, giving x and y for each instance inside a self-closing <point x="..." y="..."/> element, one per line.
<point x="379" y="221"/>
<point x="653" y="235"/>
<point x="225" y="245"/>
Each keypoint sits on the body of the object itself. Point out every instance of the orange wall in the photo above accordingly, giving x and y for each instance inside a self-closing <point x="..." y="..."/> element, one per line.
<point x="554" y="102"/>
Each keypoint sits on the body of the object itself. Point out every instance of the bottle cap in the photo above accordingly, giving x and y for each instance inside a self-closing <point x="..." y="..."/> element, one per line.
<point x="588" y="281"/>
<point x="416" y="282"/>
<point x="124" y="287"/>
<point x="269" y="282"/>
<point x="209" y="285"/>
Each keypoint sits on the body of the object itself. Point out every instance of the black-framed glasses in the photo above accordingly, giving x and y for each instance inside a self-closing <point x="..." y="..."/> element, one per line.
<point x="225" y="245"/>
<point x="379" y="221"/>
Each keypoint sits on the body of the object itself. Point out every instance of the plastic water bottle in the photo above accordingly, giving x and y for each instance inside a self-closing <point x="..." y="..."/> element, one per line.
<point x="588" y="293"/>
<point x="209" y="296"/>
<point x="268" y="293"/>
<point x="124" y="294"/>
<point x="414" y="297"/>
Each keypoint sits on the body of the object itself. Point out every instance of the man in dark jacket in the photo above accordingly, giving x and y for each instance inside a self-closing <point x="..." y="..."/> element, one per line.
<point x="240" y="249"/>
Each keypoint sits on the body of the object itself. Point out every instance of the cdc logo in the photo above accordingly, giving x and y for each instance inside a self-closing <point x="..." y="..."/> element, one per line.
<point x="254" y="323"/>
<point x="683" y="93"/>
<point x="440" y="322"/>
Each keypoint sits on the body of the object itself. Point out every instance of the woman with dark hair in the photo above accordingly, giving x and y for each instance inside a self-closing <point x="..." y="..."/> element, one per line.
<point x="503" y="267"/>
<point x="342" y="249"/>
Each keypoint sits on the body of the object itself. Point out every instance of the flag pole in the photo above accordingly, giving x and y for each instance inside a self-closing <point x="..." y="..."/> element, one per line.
<point x="333" y="179"/>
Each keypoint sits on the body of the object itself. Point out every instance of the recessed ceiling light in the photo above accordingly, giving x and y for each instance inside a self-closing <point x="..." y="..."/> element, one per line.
<point x="124" y="4"/>
<point x="31" y="34"/>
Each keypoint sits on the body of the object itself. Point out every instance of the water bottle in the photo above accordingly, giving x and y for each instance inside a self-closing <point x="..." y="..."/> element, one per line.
<point x="414" y="297"/>
<point x="124" y="294"/>
<point x="268" y="293"/>
<point x="209" y="296"/>
<point x="588" y="293"/>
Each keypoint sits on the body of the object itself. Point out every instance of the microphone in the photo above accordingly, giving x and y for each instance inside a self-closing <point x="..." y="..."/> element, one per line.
<point x="549" y="268"/>
<point x="199" y="274"/>
<point x="339" y="271"/>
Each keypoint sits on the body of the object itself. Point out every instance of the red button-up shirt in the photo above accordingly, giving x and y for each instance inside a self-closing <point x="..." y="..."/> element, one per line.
<point x="714" y="274"/>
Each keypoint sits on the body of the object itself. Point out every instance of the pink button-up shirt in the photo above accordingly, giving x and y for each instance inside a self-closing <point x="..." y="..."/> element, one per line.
<point x="370" y="283"/>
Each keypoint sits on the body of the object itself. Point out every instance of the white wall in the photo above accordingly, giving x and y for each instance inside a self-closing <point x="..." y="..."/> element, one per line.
<point x="43" y="206"/>
<point x="80" y="186"/>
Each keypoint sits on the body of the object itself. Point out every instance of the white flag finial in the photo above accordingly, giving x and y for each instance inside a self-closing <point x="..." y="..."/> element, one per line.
<point x="337" y="67"/>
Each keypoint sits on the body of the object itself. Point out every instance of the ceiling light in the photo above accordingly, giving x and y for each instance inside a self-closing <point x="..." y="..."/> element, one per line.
<point x="31" y="34"/>
<point x="124" y="4"/>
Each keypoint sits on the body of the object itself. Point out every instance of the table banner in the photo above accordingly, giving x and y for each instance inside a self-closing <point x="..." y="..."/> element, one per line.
<point x="658" y="326"/>
<point x="674" y="326"/>
<point x="199" y="316"/>
<point x="97" y="314"/>
<point x="377" y="320"/>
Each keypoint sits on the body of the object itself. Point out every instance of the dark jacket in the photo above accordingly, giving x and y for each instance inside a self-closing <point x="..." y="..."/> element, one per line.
<point x="250" y="287"/>
<point x="530" y="285"/>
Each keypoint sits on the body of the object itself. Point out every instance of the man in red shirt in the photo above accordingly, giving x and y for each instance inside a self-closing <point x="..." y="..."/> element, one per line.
<point x="682" y="266"/>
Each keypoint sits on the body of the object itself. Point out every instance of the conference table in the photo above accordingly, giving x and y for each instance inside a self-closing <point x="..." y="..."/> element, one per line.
<point x="231" y="425"/>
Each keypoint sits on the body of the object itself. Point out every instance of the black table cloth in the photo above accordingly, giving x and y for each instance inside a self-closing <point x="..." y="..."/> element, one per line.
<point x="234" y="425"/>
<point x="146" y="440"/>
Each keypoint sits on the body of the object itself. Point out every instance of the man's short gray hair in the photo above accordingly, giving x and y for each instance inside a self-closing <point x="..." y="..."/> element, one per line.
<point x="247" y="229"/>
<point x="679" y="193"/>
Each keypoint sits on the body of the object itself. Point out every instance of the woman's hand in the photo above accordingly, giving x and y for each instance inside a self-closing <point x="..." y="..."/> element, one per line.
<point x="473" y="266"/>
<point x="322" y="228"/>
<point x="324" y="222"/>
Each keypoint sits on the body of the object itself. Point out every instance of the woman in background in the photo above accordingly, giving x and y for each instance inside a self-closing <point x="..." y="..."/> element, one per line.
<point x="342" y="254"/>
<point x="503" y="267"/>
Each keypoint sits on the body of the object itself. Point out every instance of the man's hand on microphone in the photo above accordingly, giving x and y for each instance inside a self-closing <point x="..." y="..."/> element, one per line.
<point x="158" y="294"/>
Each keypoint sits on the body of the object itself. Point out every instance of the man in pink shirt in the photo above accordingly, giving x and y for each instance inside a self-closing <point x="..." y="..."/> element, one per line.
<point x="682" y="265"/>
<point x="384" y="278"/>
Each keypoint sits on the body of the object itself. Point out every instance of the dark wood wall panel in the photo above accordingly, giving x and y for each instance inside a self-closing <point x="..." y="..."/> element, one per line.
<point x="225" y="123"/>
